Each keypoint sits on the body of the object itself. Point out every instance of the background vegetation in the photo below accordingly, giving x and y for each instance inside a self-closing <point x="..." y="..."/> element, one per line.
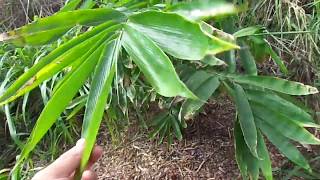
<point x="292" y="29"/>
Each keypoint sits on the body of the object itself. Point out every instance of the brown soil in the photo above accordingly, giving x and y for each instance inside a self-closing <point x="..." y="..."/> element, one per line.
<point x="206" y="152"/>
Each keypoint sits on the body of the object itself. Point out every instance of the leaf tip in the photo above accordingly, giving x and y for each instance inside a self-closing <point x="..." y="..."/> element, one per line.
<point x="313" y="90"/>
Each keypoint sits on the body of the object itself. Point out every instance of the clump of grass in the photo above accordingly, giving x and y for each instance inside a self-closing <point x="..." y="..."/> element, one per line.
<point x="15" y="13"/>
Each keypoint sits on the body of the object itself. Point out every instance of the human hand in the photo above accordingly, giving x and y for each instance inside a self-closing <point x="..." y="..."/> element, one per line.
<point x="65" y="166"/>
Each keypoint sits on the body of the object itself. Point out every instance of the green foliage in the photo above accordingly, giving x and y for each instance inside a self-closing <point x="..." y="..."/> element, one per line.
<point x="123" y="56"/>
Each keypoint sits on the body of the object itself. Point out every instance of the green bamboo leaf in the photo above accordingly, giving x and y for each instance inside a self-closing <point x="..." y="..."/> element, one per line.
<point x="163" y="133"/>
<point x="58" y="102"/>
<point x="248" y="31"/>
<point x="177" y="36"/>
<point x="204" y="91"/>
<point x="88" y="4"/>
<point x="176" y="128"/>
<point x="48" y="29"/>
<point x="284" y="125"/>
<point x="76" y="110"/>
<point x="275" y="84"/>
<point x="56" y="54"/>
<point x="282" y="106"/>
<point x="277" y="59"/>
<point x="264" y="162"/>
<point x="213" y="61"/>
<point x="154" y="63"/>
<point x="246" y="119"/>
<point x="72" y="56"/>
<point x="159" y="123"/>
<point x="98" y="96"/>
<point x="196" y="79"/>
<point x="71" y="5"/>
<point x="283" y="144"/>
<point x="247" y="59"/>
<point x="202" y="9"/>
<point x="240" y="146"/>
<point x="248" y="164"/>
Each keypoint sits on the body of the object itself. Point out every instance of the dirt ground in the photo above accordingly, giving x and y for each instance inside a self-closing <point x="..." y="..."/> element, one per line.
<point x="207" y="151"/>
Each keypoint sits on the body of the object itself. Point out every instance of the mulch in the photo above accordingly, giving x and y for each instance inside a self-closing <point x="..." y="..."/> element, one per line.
<point x="206" y="152"/>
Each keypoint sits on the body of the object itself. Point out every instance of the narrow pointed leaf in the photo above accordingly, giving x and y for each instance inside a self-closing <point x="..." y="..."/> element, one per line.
<point x="248" y="31"/>
<point x="98" y="96"/>
<point x="177" y="36"/>
<point x="284" y="125"/>
<point x="58" y="102"/>
<point x="176" y="128"/>
<point x="48" y="29"/>
<point x="204" y="91"/>
<point x="58" y="53"/>
<point x="247" y="59"/>
<point x="284" y="145"/>
<point x="276" y="84"/>
<point x="154" y="64"/>
<point x="248" y="164"/>
<point x="282" y="106"/>
<point x="264" y="162"/>
<point x="240" y="146"/>
<point x="72" y="56"/>
<point x="246" y="119"/>
<point x="277" y="59"/>
<point x="201" y="9"/>
<point x="213" y="61"/>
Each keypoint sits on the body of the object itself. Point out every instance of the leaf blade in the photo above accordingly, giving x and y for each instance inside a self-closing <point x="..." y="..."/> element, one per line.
<point x="160" y="71"/>
<point x="275" y="84"/>
<point x="246" y="119"/>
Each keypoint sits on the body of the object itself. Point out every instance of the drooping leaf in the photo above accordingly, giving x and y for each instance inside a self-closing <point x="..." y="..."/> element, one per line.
<point x="177" y="36"/>
<point x="284" y="125"/>
<point x="264" y="162"/>
<point x="247" y="59"/>
<point x="176" y="128"/>
<point x="201" y="9"/>
<point x="154" y="64"/>
<point x="247" y="163"/>
<point x="246" y="119"/>
<point x="48" y="29"/>
<point x="203" y="85"/>
<point x="45" y="71"/>
<point x="283" y="144"/>
<point x="275" y="84"/>
<point x="24" y="78"/>
<point x="98" y="96"/>
<point x="282" y="106"/>
<point x="59" y="102"/>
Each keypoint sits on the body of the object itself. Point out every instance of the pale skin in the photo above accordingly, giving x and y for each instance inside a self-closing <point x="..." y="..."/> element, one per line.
<point x="65" y="166"/>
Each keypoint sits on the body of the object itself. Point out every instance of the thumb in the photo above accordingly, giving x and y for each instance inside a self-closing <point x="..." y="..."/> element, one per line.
<point x="68" y="162"/>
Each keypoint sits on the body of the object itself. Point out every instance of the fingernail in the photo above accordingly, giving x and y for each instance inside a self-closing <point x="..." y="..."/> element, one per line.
<point x="80" y="145"/>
